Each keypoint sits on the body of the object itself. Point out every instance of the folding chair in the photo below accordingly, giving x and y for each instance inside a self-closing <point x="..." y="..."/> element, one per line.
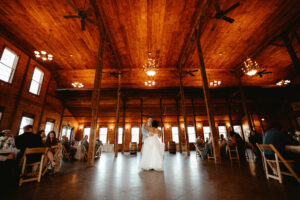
<point x="85" y="153"/>
<point x="23" y="163"/>
<point x="55" y="158"/>
<point x="274" y="164"/>
<point x="98" y="151"/>
<point x="233" y="152"/>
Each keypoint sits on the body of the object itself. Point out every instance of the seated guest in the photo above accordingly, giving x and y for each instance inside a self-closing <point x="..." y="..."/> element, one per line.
<point x="52" y="144"/>
<point x="254" y="138"/>
<point x="85" y="142"/>
<point x="68" y="146"/>
<point x="28" y="140"/>
<point x="222" y="140"/>
<point x="98" y="145"/>
<point x="222" y="145"/>
<point x="237" y="140"/>
<point x="201" y="146"/>
<point x="42" y="134"/>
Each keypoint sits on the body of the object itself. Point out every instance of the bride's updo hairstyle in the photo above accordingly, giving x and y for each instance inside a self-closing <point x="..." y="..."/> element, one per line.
<point x="155" y="123"/>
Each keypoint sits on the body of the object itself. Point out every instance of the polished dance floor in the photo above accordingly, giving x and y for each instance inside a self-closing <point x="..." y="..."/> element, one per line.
<point x="184" y="178"/>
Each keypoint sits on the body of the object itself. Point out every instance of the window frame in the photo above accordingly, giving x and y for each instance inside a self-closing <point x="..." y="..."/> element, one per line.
<point x="2" y="109"/>
<point x="225" y="134"/>
<point x="175" y="127"/>
<point x="105" y="127"/>
<point x="27" y="116"/>
<point x="14" y="67"/>
<point x="205" y="133"/>
<point x="39" y="83"/>
<point x="120" y="135"/>
<point x="49" y="121"/>
<point x="191" y="133"/>
<point x="138" y="135"/>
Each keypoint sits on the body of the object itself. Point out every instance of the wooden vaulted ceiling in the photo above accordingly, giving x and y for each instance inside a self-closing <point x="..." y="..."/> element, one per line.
<point x="136" y="27"/>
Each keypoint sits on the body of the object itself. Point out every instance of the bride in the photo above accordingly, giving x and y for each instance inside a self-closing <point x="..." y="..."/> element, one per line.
<point x="153" y="149"/>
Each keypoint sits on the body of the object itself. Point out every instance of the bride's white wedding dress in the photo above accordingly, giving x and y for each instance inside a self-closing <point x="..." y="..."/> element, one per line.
<point x="152" y="154"/>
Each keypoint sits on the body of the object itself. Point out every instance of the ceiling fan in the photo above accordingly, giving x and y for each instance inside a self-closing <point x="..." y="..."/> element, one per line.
<point x="82" y="14"/>
<point x="262" y="72"/>
<point x="220" y="14"/>
<point x="191" y="72"/>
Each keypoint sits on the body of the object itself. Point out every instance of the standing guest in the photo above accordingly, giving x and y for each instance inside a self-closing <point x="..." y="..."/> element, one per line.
<point x="254" y="138"/>
<point x="201" y="146"/>
<point x="52" y="144"/>
<point x="222" y="145"/>
<point x="209" y="146"/>
<point x="85" y="142"/>
<point x="28" y="140"/>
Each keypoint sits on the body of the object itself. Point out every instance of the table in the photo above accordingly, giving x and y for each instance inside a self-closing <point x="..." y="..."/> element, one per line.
<point x="295" y="149"/>
<point x="15" y="151"/>
<point x="109" y="148"/>
<point x="79" y="154"/>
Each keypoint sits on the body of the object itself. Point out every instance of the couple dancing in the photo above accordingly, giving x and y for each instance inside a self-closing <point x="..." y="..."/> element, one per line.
<point x="153" y="148"/>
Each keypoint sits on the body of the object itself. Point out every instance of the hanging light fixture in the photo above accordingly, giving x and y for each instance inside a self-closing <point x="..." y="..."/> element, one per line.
<point x="43" y="55"/>
<point x="151" y="67"/>
<point x="149" y="83"/>
<point x="283" y="82"/>
<point x="250" y="67"/>
<point x="215" y="83"/>
<point x="77" y="85"/>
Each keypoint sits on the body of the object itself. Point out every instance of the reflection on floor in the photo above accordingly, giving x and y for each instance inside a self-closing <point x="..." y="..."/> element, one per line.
<point x="184" y="178"/>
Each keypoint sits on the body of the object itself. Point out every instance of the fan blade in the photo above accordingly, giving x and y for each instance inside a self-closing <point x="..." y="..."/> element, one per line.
<point x="228" y="19"/>
<point x="217" y="7"/>
<point x="231" y="8"/>
<point x="91" y="21"/>
<point x="89" y="10"/>
<point x="72" y="5"/>
<point x="215" y="24"/>
<point x="268" y="73"/>
<point x="82" y="24"/>
<point x="194" y="70"/>
<point x="71" y="16"/>
<point x="262" y="71"/>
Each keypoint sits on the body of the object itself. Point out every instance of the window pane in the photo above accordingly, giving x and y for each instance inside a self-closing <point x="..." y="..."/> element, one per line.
<point x="135" y="132"/>
<point x="34" y="87"/>
<point x="206" y="131"/>
<point x="238" y="129"/>
<point x="24" y="122"/>
<point x="222" y="131"/>
<point x="175" y="136"/>
<point x="192" y="134"/>
<point x="37" y="74"/>
<point x="49" y="127"/>
<point x="103" y="135"/>
<point x="8" y="57"/>
<point x="120" y="132"/>
<point x="86" y="131"/>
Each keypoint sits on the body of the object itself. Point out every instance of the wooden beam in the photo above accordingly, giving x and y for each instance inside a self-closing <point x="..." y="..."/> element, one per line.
<point x="178" y="125"/>
<point x="208" y="102"/>
<point x="291" y="51"/>
<point x="161" y="119"/>
<point x="140" y="130"/>
<point x="116" y="145"/>
<point x="124" y="116"/>
<point x="19" y="96"/>
<point x="194" y="118"/>
<point x="61" y="120"/>
<point x="229" y="114"/>
<point x="44" y="103"/>
<point x="184" y="115"/>
<point x="244" y="103"/>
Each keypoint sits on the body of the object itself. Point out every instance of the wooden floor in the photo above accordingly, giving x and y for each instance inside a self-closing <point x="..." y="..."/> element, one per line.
<point x="184" y="178"/>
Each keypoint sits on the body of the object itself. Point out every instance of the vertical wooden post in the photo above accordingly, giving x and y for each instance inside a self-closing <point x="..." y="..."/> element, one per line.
<point x="61" y="120"/>
<point x="124" y="116"/>
<point x="116" y="145"/>
<point x="184" y="115"/>
<point x="291" y="51"/>
<point x="244" y="103"/>
<point x="140" y="138"/>
<point x="44" y="103"/>
<point x="178" y="125"/>
<point x="19" y="97"/>
<point x="229" y="114"/>
<point x="95" y="103"/>
<point x="194" y="118"/>
<point x="208" y="104"/>
<point x="161" y="120"/>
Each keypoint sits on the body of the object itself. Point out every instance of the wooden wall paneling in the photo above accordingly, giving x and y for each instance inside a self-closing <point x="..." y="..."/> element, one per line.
<point x="44" y="103"/>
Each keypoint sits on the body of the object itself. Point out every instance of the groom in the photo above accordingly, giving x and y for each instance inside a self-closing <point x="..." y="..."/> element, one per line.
<point x="145" y="132"/>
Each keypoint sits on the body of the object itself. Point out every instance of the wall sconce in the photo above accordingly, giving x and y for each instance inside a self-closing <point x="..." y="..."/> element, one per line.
<point x="111" y="127"/>
<point x="182" y="125"/>
<point x="228" y="125"/>
<point x="199" y="125"/>
<point x="167" y="126"/>
<point x="262" y="119"/>
<point x="80" y="127"/>
<point x="127" y="126"/>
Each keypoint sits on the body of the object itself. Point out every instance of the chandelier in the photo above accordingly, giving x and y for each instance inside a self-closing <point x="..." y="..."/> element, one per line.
<point x="43" y="55"/>
<point x="215" y="83"/>
<point x="283" y="82"/>
<point x="77" y="85"/>
<point x="149" y="83"/>
<point x="250" y="67"/>
<point x="151" y="67"/>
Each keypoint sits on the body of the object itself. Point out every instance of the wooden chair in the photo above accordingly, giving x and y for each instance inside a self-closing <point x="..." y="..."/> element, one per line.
<point x="85" y="153"/>
<point x="198" y="151"/>
<point x="233" y="152"/>
<point x="262" y="156"/>
<point x="275" y="164"/>
<point x="55" y="158"/>
<point x="65" y="153"/>
<point x="23" y="163"/>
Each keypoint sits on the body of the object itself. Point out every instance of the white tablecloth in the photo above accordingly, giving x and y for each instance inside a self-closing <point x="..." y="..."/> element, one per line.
<point x="109" y="148"/>
<point x="8" y="151"/>
<point x="295" y="149"/>
<point x="79" y="154"/>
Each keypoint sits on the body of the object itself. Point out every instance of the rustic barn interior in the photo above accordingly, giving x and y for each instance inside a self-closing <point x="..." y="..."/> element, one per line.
<point x="80" y="67"/>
